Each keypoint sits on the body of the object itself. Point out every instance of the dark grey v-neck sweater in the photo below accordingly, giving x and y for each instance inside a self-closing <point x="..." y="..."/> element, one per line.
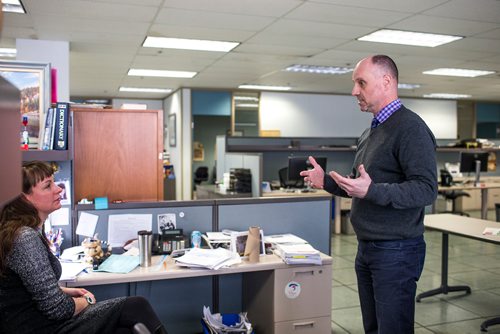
<point x="399" y="155"/>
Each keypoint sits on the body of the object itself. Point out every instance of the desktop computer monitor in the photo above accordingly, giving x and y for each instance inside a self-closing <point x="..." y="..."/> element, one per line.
<point x="468" y="161"/>
<point x="297" y="165"/>
<point x="474" y="162"/>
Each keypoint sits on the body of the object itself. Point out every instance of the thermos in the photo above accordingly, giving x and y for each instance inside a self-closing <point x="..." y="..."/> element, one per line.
<point x="145" y="243"/>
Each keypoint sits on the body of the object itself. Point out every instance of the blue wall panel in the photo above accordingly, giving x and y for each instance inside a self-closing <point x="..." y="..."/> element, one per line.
<point x="210" y="103"/>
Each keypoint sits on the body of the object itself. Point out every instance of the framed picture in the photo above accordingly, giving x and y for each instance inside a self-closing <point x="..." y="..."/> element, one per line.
<point x="198" y="151"/>
<point x="66" y="191"/>
<point x="33" y="81"/>
<point x="166" y="221"/>
<point x="171" y="130"/>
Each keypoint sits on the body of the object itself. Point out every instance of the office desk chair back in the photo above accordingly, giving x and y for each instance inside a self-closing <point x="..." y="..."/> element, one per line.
<point x="201" y="174"/>
<point x="285" y="182"/>
<point x="453" y="195"/>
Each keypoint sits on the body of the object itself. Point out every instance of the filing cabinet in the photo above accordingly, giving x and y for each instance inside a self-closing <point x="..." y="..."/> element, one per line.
<point x="292" y="300"/>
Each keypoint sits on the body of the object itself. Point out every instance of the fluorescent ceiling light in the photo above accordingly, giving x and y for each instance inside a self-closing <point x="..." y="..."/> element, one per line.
<point x="458" y="72"/>
<point x="263" y="87"/>
<point x="318" y="69"/>
<point x="247" y="105"/>
<point x="134" y="106"/>
<point x="145" y="90"/>
<point x="161" y="73"/>
<point x="8" y="52"/>
<point x="408" y="86"/>
<point x="246" y="98"/>
<point x="13" y="6"/>
<point x="408" y="38"/>
<point x="188" y="44"/>
<point x="447" y="96"/>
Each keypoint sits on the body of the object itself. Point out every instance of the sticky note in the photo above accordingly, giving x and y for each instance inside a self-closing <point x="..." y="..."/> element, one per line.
<point x="101" y="203"/>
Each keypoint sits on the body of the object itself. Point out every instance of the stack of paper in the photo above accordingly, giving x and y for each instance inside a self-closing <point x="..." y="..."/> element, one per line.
<point x="287" y="238"/>
<point x="491" y="231"/>
<point x="208" y="258"/>
<point x="294" y="250"/>
<point x="71" y="269"/>
<point x="298" y="254"/>
<point x="217" y="323"/>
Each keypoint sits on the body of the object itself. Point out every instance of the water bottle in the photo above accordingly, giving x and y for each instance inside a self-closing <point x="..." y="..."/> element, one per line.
<point x="145" y="243"/>
<point x="196" y="239"/>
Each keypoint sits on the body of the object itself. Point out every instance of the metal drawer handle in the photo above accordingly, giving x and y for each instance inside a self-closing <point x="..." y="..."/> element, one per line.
<point x="310" y="272"/>
<point x="309" y="324"/>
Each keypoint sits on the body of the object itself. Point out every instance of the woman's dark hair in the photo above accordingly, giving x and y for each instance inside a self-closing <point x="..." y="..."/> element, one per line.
<point x="387" y="63"/>
<point x="20" y="212"/>
<point x="34" y="172"/>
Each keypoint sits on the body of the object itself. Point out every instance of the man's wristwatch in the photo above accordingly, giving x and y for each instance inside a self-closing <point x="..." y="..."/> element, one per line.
<point x="90" y="300"/>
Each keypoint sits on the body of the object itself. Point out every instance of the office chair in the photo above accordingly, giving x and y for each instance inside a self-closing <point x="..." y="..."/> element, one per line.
<point x="283" y="174"/>
<point x="201" y="174"/>
<point x="285" y="183"/>
<point x="453" y="195"/>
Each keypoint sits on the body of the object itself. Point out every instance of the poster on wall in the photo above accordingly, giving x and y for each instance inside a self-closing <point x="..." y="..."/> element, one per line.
<point x="198" y="151"/>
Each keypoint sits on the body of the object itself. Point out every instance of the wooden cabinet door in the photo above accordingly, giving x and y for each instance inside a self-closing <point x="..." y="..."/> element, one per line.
<point x="118" y="154"/>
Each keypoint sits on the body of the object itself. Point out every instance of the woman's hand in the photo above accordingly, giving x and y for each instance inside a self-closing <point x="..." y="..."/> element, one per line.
<point x="80" y="304"/>
<point x="79" y="297"/>
<point x="77" y="292"/>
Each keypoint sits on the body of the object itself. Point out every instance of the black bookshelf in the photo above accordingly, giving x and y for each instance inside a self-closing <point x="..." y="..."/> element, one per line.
<point x="50" y="155"/>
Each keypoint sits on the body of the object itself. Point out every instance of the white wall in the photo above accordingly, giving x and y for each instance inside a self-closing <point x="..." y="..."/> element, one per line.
<point x="440" y="115"/>
<point x="186" y="144"/>
<point x="324" y="115"/>
<point x="54" y="52"/>
<point x="172" y="105"/>
<point x="150" y="104"/>
<point x="312" y="115"/>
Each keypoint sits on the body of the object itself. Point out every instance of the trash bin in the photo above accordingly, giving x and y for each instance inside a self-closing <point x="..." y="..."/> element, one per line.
<point x="497" y="211"/>
<point x="345" y="223"/>
<point x="228" y="319"/>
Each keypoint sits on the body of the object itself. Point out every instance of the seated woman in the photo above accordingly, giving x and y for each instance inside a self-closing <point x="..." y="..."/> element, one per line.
<point x="31" y="301"/>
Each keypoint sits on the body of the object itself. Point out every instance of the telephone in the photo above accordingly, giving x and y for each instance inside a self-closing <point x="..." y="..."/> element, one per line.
<point x="168" y="241"/>
<point x="446" y="178"/>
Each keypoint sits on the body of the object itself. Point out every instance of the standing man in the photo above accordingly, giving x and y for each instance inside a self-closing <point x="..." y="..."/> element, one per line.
<point x="394" y="176"/>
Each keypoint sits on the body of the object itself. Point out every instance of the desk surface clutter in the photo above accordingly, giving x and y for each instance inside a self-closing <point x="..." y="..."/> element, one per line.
<point x="157" y="271"/>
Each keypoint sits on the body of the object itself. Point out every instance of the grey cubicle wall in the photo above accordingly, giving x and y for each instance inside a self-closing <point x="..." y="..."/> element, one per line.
<point x="190" y="215"/>
<point x="306" y="217"/>
<point x="178" y="302"/>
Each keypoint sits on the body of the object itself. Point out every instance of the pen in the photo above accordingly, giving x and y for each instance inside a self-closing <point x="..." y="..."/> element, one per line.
<point x="163" y="262"/>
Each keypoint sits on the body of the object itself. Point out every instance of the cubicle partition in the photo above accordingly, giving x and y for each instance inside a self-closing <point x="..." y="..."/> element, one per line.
<point x="179" y="302"/>
<point x="189" y="215"/>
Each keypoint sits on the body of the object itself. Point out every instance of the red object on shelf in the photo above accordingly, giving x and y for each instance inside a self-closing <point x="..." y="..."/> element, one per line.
<point x="53" y="85"/>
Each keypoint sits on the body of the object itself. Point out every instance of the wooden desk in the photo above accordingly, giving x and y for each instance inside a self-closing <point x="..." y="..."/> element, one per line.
<point x="463" y="226"/>
<point x="263" y="289"/>
<point x="483" y="186"/>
